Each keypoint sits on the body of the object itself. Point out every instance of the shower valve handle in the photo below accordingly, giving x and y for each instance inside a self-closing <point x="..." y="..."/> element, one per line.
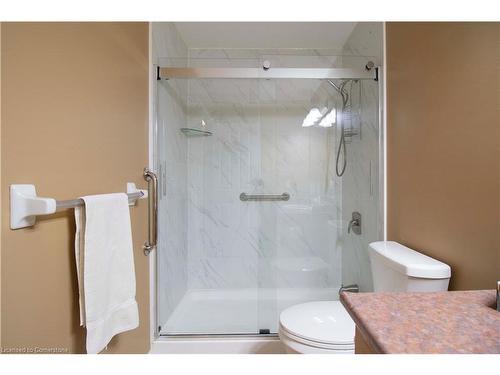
<point x="355" y="223"/>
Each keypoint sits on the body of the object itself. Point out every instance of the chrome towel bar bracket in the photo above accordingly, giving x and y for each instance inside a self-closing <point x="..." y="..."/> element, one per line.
<point x="244" y="197"/>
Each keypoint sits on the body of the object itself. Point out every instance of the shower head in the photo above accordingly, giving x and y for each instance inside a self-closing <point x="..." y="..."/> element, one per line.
<point x="334" y="85"/>
<point x="340" y="89"/>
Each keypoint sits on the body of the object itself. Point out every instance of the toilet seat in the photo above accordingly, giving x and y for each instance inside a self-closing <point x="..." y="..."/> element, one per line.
<point x="314" y="327"/>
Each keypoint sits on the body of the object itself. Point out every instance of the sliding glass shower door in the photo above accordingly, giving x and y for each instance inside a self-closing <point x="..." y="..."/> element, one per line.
<point x="251" y="217"/>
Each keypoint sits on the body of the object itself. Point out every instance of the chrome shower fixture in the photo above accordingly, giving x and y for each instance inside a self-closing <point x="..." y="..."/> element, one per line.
<point x="345" y="115"/>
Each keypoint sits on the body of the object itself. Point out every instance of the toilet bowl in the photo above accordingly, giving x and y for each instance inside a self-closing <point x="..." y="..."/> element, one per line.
<point x="322" y="327"/>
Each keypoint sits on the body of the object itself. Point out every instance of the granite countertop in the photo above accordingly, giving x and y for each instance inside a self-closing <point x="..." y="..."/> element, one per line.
<point x="419" y="323"/>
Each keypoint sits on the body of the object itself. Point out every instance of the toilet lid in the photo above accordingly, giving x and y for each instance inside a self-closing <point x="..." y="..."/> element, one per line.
<point x="322" y="321"/>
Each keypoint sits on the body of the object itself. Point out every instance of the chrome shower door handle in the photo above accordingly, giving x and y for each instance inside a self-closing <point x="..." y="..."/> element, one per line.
<point x="152" y="240"/>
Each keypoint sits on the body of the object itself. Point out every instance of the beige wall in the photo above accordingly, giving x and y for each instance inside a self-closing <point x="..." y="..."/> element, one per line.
<point x="443" y="105"/>
<point x="74" y="122"/>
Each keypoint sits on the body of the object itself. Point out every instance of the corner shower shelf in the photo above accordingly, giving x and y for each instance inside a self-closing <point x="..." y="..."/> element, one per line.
<point x="190" y="132"/>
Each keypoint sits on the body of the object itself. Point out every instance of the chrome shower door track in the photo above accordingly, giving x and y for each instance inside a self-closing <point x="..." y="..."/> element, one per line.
<point x="273" y="73"/>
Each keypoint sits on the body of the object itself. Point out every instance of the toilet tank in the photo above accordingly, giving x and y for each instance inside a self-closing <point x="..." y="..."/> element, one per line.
<point x="397" y="268"/>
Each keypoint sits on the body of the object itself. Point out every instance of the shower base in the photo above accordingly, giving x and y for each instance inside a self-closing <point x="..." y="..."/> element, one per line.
<point x="231" y="312"/>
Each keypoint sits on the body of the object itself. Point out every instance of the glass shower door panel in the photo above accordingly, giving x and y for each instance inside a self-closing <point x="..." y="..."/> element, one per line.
<point x="299" y="256"/>
<point x="171" y="167"/>
<point x="222" y="252"/>
<point x="230" y="266"/>
<point x="361" y="186"/>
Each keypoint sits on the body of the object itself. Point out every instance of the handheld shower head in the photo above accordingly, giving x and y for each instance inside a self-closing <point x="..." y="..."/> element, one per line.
<point x="341" y="90"/>
<point x="340" y="169"/>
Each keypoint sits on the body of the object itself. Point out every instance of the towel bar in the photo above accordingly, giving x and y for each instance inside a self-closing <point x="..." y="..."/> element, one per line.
<point x="25" y="205"/>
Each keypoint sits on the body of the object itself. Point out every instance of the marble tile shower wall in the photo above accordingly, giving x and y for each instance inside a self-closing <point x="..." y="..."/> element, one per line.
<point x="361" y="179"/>
<point x="259" y="146"/>
<point x="171" y="155"/>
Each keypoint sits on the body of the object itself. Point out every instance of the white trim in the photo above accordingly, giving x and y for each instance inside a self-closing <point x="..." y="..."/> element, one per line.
<point x="151" y="138"/>
<point x="151" y="97"/>
<point x="217" y="345"/>
<point x="384" y="126"/>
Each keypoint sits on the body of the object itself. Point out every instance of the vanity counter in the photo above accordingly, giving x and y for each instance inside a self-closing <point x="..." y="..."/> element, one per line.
<point x="425" y="323"/>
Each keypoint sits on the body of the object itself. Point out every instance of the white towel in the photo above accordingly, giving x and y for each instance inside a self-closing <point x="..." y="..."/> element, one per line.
<point x="105" y="267"/>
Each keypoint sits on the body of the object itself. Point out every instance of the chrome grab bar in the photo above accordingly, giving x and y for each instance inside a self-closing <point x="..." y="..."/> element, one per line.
<point x="152" y="240"/>
<point x="244" y="197"/>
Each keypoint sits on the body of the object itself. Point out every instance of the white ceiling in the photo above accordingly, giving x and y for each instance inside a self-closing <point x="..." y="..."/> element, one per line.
<point x="312" y="35"/>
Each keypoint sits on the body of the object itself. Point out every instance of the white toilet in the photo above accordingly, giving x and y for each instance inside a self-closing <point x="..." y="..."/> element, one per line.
<point x="325" y="326"/>
<point x="397" y="268"/>
<point x="317" y="327"/>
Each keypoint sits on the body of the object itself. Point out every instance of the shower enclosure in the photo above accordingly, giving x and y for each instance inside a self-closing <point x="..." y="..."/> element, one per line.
<point x="253" y="217"/>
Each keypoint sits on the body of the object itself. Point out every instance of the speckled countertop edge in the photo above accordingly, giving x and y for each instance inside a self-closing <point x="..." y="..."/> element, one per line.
<point x="420" y="323"/>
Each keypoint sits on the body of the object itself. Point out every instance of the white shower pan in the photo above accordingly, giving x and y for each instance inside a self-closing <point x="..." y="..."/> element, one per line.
<point x="215" y="311"/>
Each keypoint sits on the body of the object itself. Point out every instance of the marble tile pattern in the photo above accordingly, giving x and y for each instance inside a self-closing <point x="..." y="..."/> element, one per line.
<point x="259" y="147"/>
<point x="362" y="178"/>
<point x="460" y="322"/>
